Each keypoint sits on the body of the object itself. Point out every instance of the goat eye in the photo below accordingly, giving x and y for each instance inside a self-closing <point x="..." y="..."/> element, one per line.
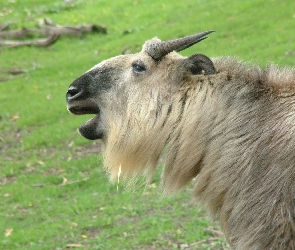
<point x="138" y="67"/>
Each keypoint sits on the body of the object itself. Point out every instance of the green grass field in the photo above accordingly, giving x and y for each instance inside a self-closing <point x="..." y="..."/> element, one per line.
<point x="54" y="192"/>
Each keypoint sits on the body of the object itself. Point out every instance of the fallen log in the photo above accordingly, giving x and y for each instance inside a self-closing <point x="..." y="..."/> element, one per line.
<point x="42" y="42"/>
<point x="46" y="28"/>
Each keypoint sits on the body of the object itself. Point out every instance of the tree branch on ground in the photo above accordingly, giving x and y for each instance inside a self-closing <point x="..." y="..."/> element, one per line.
<point x="43" y="42"/>
<point x="46" y="28"/>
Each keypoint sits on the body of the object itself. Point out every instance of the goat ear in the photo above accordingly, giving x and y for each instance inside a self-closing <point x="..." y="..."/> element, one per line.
<point x="200" y="64"/>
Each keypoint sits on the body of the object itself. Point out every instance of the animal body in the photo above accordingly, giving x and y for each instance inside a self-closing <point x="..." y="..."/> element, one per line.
<point x="221" y="123"/>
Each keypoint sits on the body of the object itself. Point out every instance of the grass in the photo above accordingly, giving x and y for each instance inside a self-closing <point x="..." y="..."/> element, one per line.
<point x="54" y="193"/>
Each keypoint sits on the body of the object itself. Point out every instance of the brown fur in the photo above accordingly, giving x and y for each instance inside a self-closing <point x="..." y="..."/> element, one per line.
<point x="232" y="132"/>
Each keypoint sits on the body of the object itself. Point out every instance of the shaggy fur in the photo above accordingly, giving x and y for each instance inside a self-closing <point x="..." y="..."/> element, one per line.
<point x="232" y="132"/>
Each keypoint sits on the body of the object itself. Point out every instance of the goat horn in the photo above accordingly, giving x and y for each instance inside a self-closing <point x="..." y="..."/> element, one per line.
<point x="157" y="50"/>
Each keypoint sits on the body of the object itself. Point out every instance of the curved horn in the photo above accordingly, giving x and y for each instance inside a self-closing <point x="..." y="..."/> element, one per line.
<point x="157" y="50"/>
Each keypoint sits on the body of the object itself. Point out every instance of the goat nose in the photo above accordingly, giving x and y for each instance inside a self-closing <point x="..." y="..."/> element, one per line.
<point x="72" y="91"/>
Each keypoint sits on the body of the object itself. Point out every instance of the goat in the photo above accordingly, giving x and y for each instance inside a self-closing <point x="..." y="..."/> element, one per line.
<point x="225" y="125"/>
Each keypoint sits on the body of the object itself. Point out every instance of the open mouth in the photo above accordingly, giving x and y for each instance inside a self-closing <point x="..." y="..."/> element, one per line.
<point x="92" y="128"/>
<point x="83" y="110"/>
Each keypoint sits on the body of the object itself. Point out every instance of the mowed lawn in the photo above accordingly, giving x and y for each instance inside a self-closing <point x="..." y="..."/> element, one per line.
<point x="53" y="188"/>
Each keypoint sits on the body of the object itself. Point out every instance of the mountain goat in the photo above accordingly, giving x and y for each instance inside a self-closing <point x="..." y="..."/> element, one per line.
<point x="222" y="123"/>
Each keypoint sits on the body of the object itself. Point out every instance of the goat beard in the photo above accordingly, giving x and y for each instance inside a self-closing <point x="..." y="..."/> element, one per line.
<point x="149" y="131"/>
<point x="134" y="144"/>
